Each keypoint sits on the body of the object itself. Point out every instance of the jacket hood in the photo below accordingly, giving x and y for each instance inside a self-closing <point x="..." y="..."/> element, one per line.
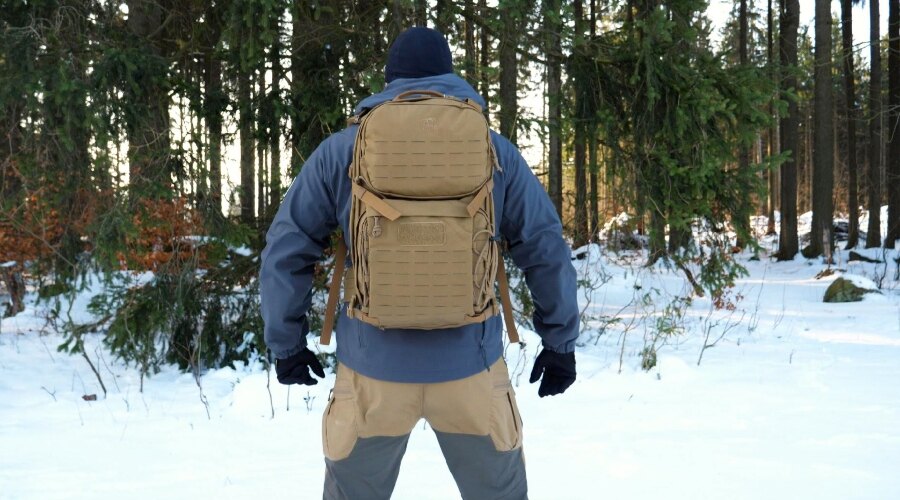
<point x="450" y="84"/>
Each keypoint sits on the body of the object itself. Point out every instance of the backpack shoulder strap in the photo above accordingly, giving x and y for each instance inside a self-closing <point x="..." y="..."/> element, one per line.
<point x="334" y="290"/>
<point x="511" y="329"/>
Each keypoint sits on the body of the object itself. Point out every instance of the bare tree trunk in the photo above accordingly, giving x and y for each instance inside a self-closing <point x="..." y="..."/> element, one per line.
<point x="275" y="146"/>
<point x="554" y="96"/>
<point x="245" y="127"/>
<point x="772" y="173"/>
<point x="742" y="224"/>
<point x="823" y="152"/>
<point x="873" y="231"/>
<point x="893" y="165"/>
<point x="850" y="91"/>
<point x="148" y="137"/>
<point x="215" y="99"/>
<point x="509" y="70"/>
<point x="261" y="166"/>
<point x="788" y="244"/>
<point x="592" y="140"/>
<point x="443" y="17"/>
<point x="469" y="61"/>
<point x="421" y="14"/>
<point x="485" y="46"/>
<point x="581" y="118"/>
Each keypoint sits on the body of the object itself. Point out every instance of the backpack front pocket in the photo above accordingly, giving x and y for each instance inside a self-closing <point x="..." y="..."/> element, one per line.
<point x="420" y="265"/>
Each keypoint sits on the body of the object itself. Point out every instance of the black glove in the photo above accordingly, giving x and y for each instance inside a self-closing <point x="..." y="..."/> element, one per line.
<point x="295" y="369"/>
<point x="558" y="370"/>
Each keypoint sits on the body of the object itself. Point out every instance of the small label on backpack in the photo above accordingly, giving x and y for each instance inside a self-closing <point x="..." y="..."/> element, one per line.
<point x="421" y="233"/>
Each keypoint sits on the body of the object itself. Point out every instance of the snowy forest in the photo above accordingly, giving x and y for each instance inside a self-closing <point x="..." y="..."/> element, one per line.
<point x="727" y="174"/>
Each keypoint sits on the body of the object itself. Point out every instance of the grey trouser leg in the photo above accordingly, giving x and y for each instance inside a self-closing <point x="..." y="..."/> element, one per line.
<point x="369" y="473"/>
<point x="481" y="472"/>
<point x="366" y="426"/>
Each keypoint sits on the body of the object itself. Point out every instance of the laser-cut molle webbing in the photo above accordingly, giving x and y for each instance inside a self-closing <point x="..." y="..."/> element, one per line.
<point x="422" y="216"/>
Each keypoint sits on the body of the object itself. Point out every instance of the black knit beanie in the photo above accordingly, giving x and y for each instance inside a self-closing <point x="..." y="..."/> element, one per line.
<point x="418" y="52"/>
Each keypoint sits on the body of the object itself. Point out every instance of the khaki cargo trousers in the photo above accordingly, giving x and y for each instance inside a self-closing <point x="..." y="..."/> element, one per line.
<point x="367" y="423"/>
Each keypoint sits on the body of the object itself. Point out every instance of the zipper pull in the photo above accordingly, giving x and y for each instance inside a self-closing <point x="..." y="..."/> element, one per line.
<point x="376" y="228"/>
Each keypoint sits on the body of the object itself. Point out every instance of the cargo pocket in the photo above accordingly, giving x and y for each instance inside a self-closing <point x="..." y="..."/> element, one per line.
<point x="506" y="423"/>
<point x="339" y="430"/>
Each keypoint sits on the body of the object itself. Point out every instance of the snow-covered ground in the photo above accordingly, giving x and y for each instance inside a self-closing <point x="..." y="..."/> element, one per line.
<point x="799" y="400"/>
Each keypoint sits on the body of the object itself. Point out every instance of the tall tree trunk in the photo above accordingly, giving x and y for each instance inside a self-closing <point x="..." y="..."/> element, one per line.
<point x="66" y="137"/>
<point x="275" y="146"/>
<point x="873" y="231"/>
<point x="215" y="103"/>
<point x="245" y="128"/>
<point x="316" y="108"/>
<point x="823" y="147"/>
<point x="850" y="91"/>
<point x="509" y="68"/>
<point x="772" y="173"/>
<point x="592" y="141"/>
<point x="553" y="53"/>
<point x="148" y="130"/>
<point x="443" y="17"/>
<point x="262" y="108"/>
<point x="788" y="244"/>
<point x="893" y="164"/>
<point x="484" y="63"/>
<point x="421" y="13"/>
<point x="470" y="56"/>
<point x="742" y="223"/>
<point x="579" y="75"/>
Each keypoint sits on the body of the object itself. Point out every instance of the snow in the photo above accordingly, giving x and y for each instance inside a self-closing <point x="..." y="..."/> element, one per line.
<point x="799" y="399"/>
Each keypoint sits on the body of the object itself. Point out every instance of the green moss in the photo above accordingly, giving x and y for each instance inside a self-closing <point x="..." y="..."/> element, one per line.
<point x="843" y="290"/>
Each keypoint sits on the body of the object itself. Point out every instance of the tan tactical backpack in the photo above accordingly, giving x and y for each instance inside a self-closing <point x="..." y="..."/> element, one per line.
<point x="421" y="218"/>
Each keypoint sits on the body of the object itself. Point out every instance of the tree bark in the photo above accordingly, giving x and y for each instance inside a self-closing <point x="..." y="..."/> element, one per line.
<point x="592" y="141"/>
<point x="469" y="61"/>
<point x="743" y="224"/>
<point x="443" y="17"/>
<point x="148" y="129"/>
<point x="873" y="231"/>
<point x="553" y="51"/>
<point x="215" y="98"/>
<point x="421" y="13"/>
<point x="484" y="63"/>
<point x="893" y="165"/>
<point x="509" y="69"/>
<point x="850" y="92"/>
<point x="772" y="172"/>
<point x="823" y="147"/>
<point x="581" y="118"/>
<point x="788" y="244"/>
<point x="245" y="128"/>
<point x="275" y="146"/>
<point x="262" y="108"/>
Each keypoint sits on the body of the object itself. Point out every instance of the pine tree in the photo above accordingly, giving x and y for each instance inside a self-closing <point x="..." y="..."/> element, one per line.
<point x="893" y="125"/>
<point x="788" y="243"/>
<point x="850" y="93"/>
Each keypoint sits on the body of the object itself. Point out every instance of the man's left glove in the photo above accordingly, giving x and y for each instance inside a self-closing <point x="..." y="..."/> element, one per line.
<point x="558" y="371"/>
<point x="295" y="369"/>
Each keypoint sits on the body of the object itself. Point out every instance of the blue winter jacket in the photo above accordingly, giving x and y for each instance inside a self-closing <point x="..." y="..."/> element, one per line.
<point x="319" y="200"/>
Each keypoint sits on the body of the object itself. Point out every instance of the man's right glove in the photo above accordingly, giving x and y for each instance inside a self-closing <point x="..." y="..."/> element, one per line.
<point x="295" y="369"/>
<point x="558" y="370"/>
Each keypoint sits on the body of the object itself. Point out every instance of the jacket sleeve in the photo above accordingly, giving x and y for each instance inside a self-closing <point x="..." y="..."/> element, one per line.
<point x="531" y="226"/>
<point x="294" y="243"/>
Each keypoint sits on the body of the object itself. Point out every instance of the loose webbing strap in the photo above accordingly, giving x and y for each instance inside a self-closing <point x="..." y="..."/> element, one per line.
<point x="334" y="291"/>
<point x="379" y="204"/>
<point x="335" y="287"/>
<point x="478" y="200"/>
<point x="511" y="329"/>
